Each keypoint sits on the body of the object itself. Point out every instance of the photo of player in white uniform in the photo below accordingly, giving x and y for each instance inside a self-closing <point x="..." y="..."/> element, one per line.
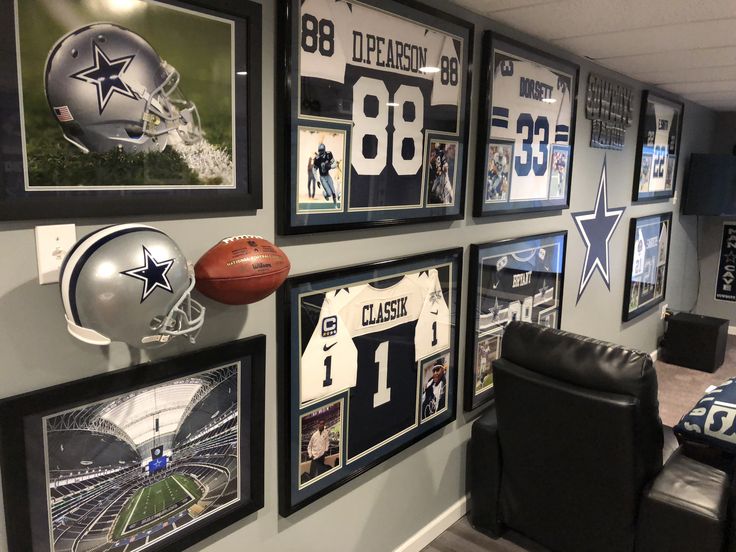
<point x="488" y="350"/>
<point x="500" y="159"/>
<point x="441" y="173"/>
<point x="321" y="155"/>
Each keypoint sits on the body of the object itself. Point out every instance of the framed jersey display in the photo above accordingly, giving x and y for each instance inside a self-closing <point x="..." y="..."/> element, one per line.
<point x="646" y="264"/>
<point x="115" y="107"/>
<point x="526" y="130"/>
<point x="367" y="367"/>
<point x="155" y="457"/>
<point x="376" y="97"/>
<point x="658" y="147"/>
<point x="516" y="279"/>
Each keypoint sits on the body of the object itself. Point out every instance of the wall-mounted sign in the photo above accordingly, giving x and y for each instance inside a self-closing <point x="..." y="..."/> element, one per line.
<point x="608" y="104"/>
<point x="726" y="281"/>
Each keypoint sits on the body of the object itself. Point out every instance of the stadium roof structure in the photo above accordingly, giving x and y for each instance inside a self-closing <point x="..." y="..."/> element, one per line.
<point x="137" y="416"/>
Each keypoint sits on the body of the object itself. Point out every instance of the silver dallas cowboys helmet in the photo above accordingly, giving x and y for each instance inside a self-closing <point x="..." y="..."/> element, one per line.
<point x="108" y="88"/>
<point x="129" y="283"/>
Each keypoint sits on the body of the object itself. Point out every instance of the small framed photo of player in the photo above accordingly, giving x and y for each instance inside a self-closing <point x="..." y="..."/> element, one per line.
<point x="646" y="264"/>
<point x="368" y="367"/>
<point x="526" y="130"/>
<point x="155" y="457"/>
<point x="516" y="279"/>
<point x="321" y="442"/>
<point x="442" y="173"/>
<point x="135" y="107"/>
<point x="373" y="128"/>
<point x="658" y="147"/>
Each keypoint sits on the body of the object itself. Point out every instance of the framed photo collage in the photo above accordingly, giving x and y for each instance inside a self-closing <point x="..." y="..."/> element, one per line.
<point x="373" y="118"/>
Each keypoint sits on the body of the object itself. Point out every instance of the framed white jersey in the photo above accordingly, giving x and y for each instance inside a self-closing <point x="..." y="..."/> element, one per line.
<point x="519" y="279"/>
<point x="527" y="124"/>
<point x="647" y="264"/>
<point x="370" y="337"/>
<point x="658" y="148"/>
<point x="382" y="86"/>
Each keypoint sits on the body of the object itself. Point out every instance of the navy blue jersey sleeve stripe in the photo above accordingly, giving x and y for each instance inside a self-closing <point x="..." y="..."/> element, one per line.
<point x="501" y="111"/>
<point x="501" y="123"/>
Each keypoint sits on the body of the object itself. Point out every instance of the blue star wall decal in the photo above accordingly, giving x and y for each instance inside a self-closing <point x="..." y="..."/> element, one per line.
<point x="152" y="273"/>
<point x="596" y="227"/>
<point x="107" y="75"/>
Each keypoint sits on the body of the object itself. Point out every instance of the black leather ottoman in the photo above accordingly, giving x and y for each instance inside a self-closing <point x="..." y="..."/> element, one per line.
<point x="695" y="341"/>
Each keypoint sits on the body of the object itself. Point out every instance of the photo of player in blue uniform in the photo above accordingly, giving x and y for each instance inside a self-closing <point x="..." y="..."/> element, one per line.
<point x="321" y="156"/>
<point x="325" y="162"/>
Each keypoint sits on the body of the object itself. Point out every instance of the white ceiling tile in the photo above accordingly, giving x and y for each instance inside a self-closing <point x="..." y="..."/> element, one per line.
<point x="664" y="61"/>
<point x="703" y="86"/>
<point x="682" y="75"/>
<point x="682" y="36"/>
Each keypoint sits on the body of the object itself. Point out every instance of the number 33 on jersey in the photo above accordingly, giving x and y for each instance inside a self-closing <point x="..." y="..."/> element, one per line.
<point x="368" y="69"/>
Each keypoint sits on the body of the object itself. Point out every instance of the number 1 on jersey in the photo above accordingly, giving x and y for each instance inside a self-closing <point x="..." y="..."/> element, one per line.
<point x="383" y="394"/>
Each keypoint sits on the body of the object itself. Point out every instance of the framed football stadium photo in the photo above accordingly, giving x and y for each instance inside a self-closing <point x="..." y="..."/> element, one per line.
<point x="526" y="129"/>
<point x="647" y="263"/>
<point x="118" y="107"/>
<point x="367" y="367"/>
<point x="374" y="117"/>
<point x="516" y="279"/>
<point x="658" y="147"/>
<point x="155" y="457"/>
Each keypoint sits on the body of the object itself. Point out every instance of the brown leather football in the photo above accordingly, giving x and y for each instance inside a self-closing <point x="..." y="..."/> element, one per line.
<point x="241" y="269"/>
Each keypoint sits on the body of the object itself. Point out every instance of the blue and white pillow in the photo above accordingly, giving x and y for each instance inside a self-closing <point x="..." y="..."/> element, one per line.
<point x="713" y="419"/>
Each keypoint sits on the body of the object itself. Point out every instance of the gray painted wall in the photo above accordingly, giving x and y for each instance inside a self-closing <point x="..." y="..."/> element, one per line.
<point x="384" y="507"/>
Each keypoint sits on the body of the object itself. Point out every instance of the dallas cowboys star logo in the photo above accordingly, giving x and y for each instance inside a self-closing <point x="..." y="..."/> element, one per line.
<point x="596" y="227"/>
<point x="152" y="273"/>
<point x="107" y="75"/>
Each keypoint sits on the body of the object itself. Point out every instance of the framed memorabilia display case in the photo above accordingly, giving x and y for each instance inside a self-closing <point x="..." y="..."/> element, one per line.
<point x="646" y="264"/>
<point x="526" y="130"/>
<point x="155" y="457"/>
<point x="516" y="279"/>
<point x="135" y="107"/>
<point x="658" y="147"/>
<point x="374" y="114"/>
<point x="367" y="367"/>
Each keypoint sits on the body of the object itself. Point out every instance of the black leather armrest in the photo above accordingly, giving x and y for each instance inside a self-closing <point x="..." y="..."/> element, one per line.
<point x="684" y="509"/>
<point x="485" y="474"/>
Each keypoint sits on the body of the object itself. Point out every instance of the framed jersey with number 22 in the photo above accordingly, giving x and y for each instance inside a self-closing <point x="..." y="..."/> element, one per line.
<point x="526" y="131"/>
<point x="374" y="124"/>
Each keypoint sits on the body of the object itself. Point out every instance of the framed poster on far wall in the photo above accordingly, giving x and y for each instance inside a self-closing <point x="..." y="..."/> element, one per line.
<point x="658" y="147"/>
<point x="526" y="129"/>
<point x="516" y="279"/>
<point x="155" y="457"/>
<point x="117" y="107"/>
<point x="373" y="121"/>
<point x="367" y="367"/>
<point x="647" y="263"/>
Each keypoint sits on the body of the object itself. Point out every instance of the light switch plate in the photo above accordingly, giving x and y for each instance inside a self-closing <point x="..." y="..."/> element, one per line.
<point x="663" y="311"/>
<point x="52" y="244"/>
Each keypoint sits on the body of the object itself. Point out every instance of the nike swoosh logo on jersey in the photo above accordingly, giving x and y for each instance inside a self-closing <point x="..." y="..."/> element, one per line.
<point x="326" y="348"/>
<point x="434" y="312"/>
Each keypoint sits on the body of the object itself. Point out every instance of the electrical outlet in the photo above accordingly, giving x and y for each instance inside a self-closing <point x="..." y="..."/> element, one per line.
<point x="52" y="244"/>
<point x="663" y="312"/>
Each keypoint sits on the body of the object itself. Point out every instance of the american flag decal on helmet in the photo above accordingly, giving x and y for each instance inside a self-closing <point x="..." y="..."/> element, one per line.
<point x="63" y="114"/>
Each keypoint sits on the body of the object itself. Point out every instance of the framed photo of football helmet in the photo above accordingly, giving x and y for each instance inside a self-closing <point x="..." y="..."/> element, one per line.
<point x="515" y="279"/>
<point x="373" y="124"/>
<point x="367" y="367"/>
<point x="153" y="458"/>
<point x="136" y="107"/>
<point x="526" y="129"/>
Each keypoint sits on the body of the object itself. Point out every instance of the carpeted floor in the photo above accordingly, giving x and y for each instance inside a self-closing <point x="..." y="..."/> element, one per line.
<point x="679" y="389"/>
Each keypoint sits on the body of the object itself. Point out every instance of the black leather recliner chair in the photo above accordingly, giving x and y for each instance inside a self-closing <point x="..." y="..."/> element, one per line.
<point x="571" y="453"/>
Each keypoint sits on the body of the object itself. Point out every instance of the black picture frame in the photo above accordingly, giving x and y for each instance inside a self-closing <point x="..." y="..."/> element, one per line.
<point x="25" y="421"/>
<point x="394" y="424"/>
<point x="478" y="388"/>
<point x="488" y="199"/>
<point x="371" y="204"/>
<point x="646" y="274"/>
<point x="646" y="147"/>
<point x="25" y="195"/>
